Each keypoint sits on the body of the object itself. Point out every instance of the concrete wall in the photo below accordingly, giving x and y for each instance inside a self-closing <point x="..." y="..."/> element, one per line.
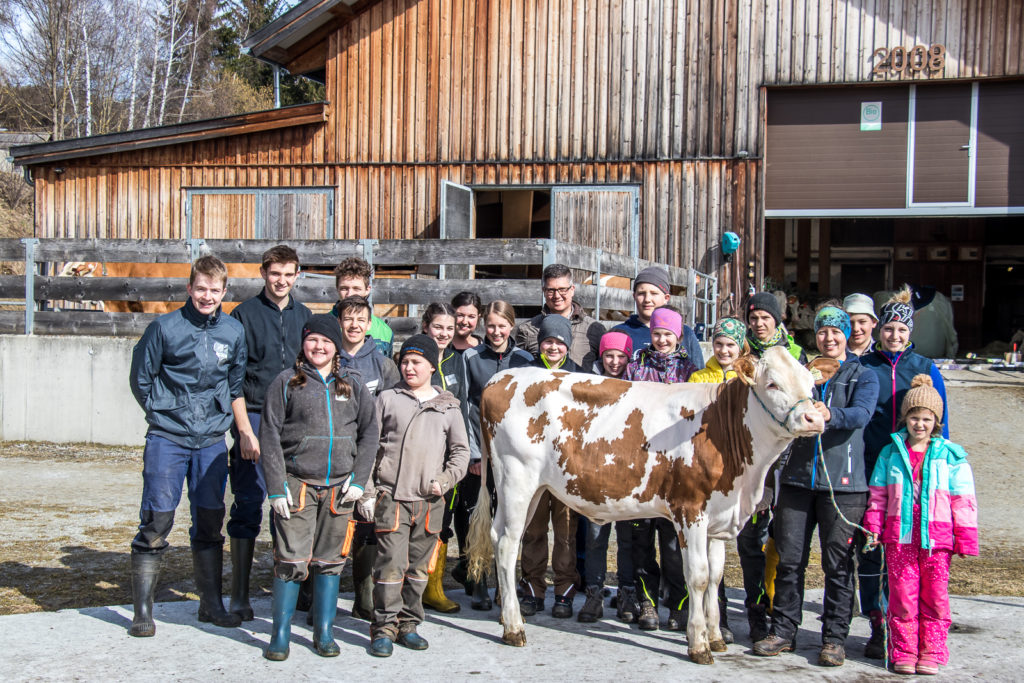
<point x="68" y="389"/>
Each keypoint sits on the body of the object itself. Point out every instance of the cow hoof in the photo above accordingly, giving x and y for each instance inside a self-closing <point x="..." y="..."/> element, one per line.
<point x="701" y="657"/>
<point x="514" y="638"/>
<point x="719" y="646"/>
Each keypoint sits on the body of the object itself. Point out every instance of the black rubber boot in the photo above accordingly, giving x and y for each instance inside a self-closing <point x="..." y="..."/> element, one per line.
<point x="461" y="574"/>
<point x="481" y="596"/>
<point x="208" y="565"/>
<point x="283" y="608"/>
<point x="241" y="567"/>
<point x="305" y="602"/>
<point x="362" y="577"/>
<point x="723" y="615"/>
<point x="875" y="648"/>
<point x="325" y="608"/>
<point x="145" y="572"/>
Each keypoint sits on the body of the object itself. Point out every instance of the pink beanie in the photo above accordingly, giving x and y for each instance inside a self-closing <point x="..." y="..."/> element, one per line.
<point x="617" y="341"/>
<point x="667" y="319"/>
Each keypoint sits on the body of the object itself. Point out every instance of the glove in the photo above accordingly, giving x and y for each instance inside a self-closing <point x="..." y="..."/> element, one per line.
<point x="766" y="500"/>
<point x="282" y="504"/>
<point x="350" y="494"/>
<point x="365" y="506"/>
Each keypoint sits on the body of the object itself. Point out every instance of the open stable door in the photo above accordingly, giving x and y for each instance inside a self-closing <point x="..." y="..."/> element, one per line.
<point x="601" y="217"/>
<point x="457" y="222"/>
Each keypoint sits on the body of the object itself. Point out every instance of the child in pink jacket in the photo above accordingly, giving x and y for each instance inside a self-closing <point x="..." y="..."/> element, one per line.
<point x="923" y="509"/>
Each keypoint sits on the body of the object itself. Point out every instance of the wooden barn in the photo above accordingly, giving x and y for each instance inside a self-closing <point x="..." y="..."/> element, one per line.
<point x="840" y="139"/>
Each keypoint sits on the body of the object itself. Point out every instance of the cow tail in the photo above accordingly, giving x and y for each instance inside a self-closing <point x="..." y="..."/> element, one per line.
<point x="480" y="555"/>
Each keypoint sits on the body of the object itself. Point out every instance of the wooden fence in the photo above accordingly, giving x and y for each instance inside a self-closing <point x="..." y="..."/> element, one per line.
<point x="33" y="294"/>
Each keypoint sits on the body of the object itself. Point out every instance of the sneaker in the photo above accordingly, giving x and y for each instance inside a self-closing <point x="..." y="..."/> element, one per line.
<point x="626" y="608"/>
<point x="773" y="645"/>
<point x="528" y="606"/>
<point x="831" y="654"/>
<point x="562" y="609"/>
<point x="927" y="667"/>
<point x="593" y="608"/>
<point x="648" y="618"/>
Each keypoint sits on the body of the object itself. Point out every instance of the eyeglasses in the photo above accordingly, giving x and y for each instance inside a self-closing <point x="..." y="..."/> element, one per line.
<point x="561" y="291"/>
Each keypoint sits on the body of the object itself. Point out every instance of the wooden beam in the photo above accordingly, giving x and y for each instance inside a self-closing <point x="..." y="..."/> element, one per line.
<point x="312" y="59"/>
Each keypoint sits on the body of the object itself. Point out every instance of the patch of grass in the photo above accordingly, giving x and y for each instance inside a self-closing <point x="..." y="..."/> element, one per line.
<point x="70" y="452"/>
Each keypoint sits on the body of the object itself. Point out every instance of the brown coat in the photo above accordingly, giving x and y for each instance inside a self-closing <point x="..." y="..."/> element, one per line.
<point x="419" y="443"/>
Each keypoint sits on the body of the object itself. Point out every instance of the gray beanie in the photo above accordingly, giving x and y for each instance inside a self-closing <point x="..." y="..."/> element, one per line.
<point x="557" y="327"/>
<point x="652" y="276"/>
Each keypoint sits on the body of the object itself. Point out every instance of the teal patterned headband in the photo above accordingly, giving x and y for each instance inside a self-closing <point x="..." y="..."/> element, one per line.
<point x="830" y="316"/>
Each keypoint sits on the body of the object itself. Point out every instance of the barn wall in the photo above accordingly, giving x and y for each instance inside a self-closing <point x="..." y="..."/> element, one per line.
<point x="832" y="41"/>
<point x="684" y="205"/>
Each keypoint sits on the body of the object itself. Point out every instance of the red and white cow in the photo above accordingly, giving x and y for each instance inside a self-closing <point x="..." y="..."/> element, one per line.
<point x="696" y="454"/>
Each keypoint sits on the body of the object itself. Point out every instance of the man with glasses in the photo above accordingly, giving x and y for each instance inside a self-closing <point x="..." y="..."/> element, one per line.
<point x="558" y="291"/>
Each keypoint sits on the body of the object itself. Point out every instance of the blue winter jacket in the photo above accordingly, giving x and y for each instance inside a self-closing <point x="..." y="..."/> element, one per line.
<point x="894" y="372"/>
<point x="186" y="370"/>
<point x="641" y="336"/>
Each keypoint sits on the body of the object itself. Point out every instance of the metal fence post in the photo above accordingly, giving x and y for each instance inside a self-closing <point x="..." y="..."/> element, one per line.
<point x="549" y="245"/>
<point x="692" y="295"/>
<point x="597" y="281"/>
<point x="368" y="245"/>
<point x="195" y="248"/>
<point x="30" y="282"/>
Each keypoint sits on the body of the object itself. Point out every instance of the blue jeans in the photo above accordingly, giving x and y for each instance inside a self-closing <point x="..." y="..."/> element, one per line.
<point x="166" y="465"/>
<point x="247" y="486"/>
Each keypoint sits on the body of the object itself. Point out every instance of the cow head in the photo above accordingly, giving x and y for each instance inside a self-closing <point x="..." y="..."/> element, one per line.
<point x="783" y="388"/>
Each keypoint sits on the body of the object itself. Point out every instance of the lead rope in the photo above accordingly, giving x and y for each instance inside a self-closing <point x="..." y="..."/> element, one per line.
<point x="882" y="599"/>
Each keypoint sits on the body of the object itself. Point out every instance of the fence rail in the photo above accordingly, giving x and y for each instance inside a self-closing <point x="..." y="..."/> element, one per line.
<point x="36" y="290"/>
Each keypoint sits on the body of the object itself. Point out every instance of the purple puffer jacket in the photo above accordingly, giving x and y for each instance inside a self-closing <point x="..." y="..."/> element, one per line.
<point x="652" y="366"/>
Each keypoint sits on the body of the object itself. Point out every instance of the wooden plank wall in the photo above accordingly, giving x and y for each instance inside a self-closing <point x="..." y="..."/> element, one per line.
<point x="833" y="41"/>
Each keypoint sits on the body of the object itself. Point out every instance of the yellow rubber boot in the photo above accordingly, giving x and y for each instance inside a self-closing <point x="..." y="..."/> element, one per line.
<point x="771" y="562"/>
<point x="433" y="596"/>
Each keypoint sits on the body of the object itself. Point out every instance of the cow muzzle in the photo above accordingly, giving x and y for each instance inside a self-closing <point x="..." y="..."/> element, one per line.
<point x="805" y="420"/>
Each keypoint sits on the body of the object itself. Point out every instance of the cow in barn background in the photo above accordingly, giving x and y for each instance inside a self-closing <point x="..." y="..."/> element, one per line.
<point x="696" y="454"/>
<point x="141" y="270"/>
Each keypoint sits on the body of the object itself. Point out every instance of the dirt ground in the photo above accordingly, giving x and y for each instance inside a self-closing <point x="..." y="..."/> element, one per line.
<point x="68" y="512"/>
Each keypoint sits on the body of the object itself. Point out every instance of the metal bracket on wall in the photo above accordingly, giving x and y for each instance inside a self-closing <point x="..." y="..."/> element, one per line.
<point x="30" y="282"/>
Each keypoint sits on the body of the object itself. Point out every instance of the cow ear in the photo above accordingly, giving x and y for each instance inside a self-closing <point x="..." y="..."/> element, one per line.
<point x="744" y="367"/>
<point x="823" y="369"/>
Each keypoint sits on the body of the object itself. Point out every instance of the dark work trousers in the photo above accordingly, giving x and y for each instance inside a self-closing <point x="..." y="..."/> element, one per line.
<point x="166" y="466"/>
<point x="647" y="572"/>
<point x="465" y="501"/>
<point x="750" y="547"/>
<point x="247" y="486"/>
<point x="596" y="562"/>
<point x="870" y="579"/>
<point x="797" y="512"/>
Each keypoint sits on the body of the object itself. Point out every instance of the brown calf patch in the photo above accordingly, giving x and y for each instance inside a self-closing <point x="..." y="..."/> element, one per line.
<point x="535" y="392"/>
<point x="535" y="428"/>
<point x="722" y="449"/>
<point x="600" y="394"/>
<point x="495" y="401"/>
<point x="584" y="463"/>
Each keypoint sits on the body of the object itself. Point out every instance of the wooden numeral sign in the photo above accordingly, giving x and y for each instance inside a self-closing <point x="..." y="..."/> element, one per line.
<point x="903" y="61"/>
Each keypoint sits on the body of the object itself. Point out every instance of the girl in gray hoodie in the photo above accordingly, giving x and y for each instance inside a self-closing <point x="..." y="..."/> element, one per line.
<point x="318" y="436"/>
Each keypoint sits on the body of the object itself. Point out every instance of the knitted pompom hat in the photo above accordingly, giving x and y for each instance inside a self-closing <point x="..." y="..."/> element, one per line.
<point x="922" y="395"/>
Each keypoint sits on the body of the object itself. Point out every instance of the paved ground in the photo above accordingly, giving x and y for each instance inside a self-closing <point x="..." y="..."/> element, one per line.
<point x="92" y="644"/>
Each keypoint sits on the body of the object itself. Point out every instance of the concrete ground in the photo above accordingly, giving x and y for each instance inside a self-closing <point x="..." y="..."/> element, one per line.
<point x="92" y="644"/>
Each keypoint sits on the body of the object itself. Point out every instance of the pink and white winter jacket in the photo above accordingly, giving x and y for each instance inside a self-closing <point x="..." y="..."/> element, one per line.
<point x="949" y="508"/>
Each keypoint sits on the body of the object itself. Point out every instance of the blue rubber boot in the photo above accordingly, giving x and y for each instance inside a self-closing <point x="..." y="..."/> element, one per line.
<point x="325" y="607"/>
<point x="286" y="593"/>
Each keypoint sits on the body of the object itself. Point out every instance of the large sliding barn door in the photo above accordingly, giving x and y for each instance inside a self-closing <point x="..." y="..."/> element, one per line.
<point x="601" y="217"/>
